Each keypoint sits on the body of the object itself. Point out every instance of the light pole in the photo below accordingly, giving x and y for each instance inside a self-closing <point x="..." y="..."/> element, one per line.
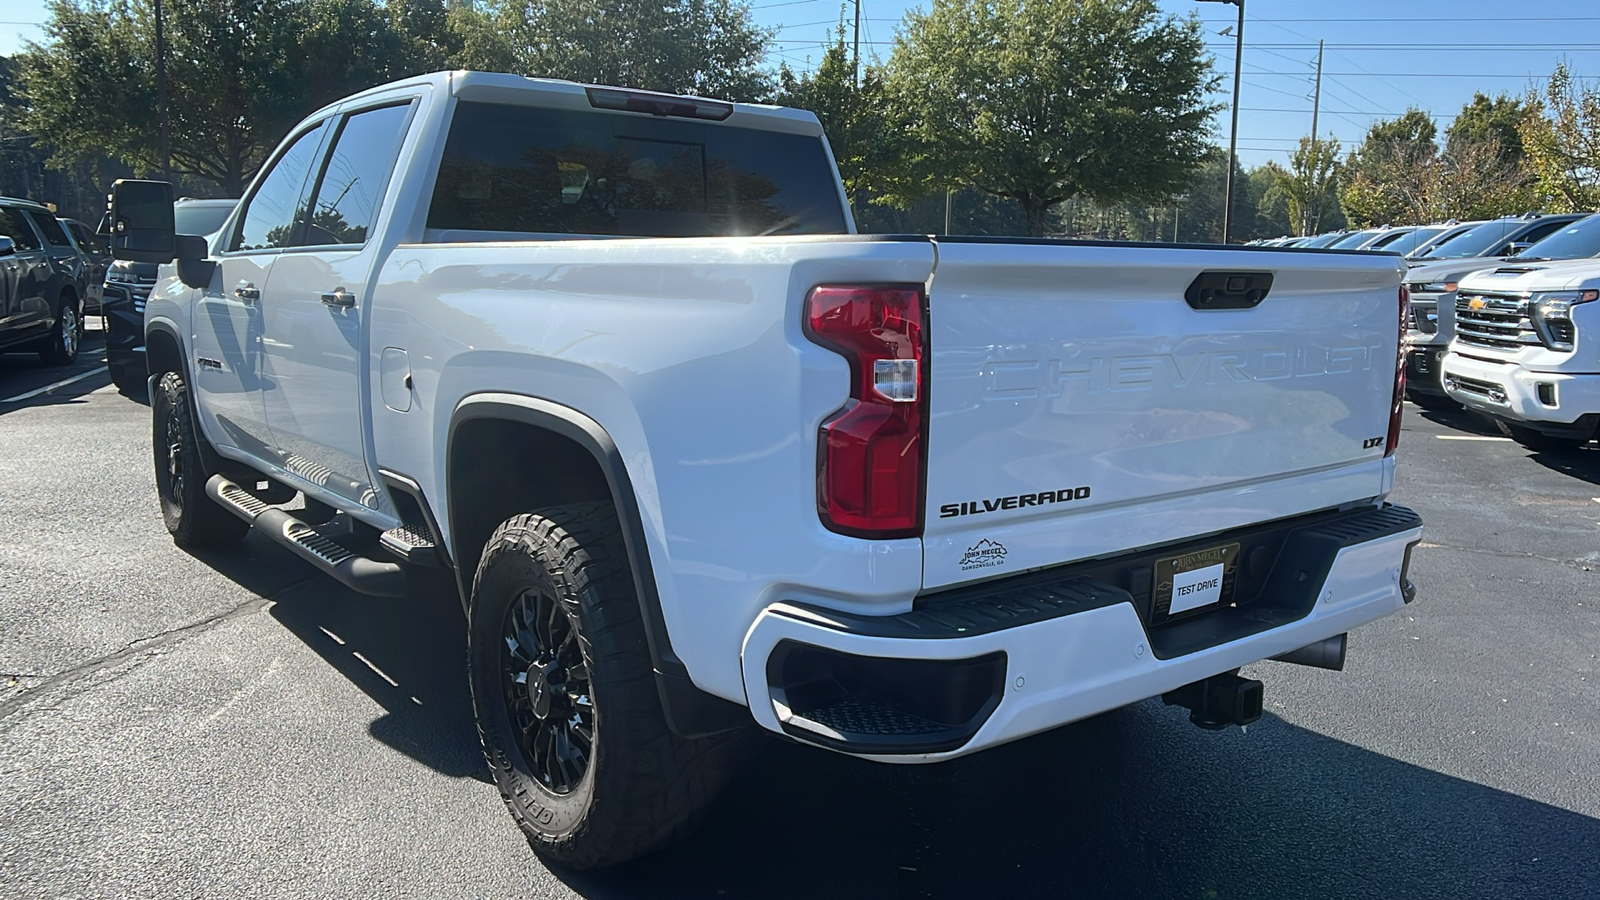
<point x="1233" y="130"/>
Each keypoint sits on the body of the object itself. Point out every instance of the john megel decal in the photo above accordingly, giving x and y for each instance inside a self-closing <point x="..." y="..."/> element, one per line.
<point x="985" y="554"/>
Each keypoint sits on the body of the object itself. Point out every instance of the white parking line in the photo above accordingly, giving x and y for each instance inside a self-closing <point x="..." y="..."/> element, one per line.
<point x="1468" y="437"/>
<point x="50" y="387"/>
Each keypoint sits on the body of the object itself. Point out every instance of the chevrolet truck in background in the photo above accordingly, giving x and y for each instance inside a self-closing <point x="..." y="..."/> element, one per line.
<point x="1527" y="351"/>
<point x="1432" y="284"/>
<point x="702" y="459"/>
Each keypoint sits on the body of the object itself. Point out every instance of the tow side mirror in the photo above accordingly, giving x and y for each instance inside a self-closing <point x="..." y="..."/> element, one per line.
<point x="8" y="247"/>
<point x="142" y="226"/>
<point x="194" y="265"/>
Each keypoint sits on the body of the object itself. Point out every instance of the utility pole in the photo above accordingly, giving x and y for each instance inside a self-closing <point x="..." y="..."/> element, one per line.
<point x="1233" y="131"/>
<point x="1316" y="156"/>
<point x="948" y="194"/>
<point x="161" y="95"/>
<point x="1316" y="97"/>
<point x="855" y="52"/>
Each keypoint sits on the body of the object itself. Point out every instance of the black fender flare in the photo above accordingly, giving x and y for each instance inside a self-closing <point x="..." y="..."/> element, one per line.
<point x="690" y="711"/>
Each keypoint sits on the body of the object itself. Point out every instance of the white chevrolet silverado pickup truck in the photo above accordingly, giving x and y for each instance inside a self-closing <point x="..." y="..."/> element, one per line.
<point x="701" y="458"/>
<point x="1527" y="351"/>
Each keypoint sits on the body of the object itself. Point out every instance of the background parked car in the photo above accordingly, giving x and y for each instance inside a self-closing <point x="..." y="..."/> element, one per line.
<point x="1433" y="287"/>
<point x="127" y="287"/>
<point x="97" y="255"/>
<point x="1497" y="237"/>
<point x="41" y="283"/>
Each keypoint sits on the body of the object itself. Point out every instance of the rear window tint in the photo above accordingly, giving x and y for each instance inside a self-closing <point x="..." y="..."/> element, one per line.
<point x="543" y="171"/>
<point x="55" y="234"/>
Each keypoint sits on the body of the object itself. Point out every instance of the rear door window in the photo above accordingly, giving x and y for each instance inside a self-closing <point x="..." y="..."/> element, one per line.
<point x="532" y="171"/>
<point x="355" y="176"/>
<point x="54" y="234"/>
<point x="14" y="225"/>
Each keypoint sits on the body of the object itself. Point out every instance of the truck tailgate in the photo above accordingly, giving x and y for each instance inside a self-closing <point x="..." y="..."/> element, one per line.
<point x="1081" y="407"/>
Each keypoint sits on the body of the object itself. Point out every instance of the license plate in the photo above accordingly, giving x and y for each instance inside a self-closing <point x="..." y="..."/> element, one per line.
<point x="1193" y="581"/>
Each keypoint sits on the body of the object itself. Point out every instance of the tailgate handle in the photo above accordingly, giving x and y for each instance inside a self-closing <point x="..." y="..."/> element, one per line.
<point x="1228" y="290"/>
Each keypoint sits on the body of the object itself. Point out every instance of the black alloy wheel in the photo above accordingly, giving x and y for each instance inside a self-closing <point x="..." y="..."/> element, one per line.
<point x="546" y="691"/>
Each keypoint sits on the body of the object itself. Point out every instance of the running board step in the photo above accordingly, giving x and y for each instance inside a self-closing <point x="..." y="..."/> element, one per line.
<point x="412" y="544"/>
<point x="358" y="573"/>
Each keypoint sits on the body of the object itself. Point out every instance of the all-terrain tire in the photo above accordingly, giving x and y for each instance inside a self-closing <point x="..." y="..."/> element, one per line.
<point x="193" y="519"/>
<point x="641" y="786"/>
<point x="66" y="336"/>
<point x="1538" y="441"/>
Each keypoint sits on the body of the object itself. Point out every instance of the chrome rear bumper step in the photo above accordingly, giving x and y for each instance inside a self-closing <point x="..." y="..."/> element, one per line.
<point x="358" y="573"/>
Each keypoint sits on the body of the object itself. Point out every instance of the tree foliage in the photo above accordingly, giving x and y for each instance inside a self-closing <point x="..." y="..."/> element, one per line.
<point x="1309" y="187"/>
<point x="1389" y="178"/>
<point x="239" y="74"/>
<point x="854" y="115"/>
<point x="704" y="47"/>
<point x="1040" y="100"/>
<point x="1562" y="140"/>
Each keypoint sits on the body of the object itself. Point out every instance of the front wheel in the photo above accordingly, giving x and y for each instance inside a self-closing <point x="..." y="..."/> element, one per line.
<point x="1540" y="442"/>
<point x="62" y="349"/>
<point x="192" y="518"/>
<point x="571" y="725"/>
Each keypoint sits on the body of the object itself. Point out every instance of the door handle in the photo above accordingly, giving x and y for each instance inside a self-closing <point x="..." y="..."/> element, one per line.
<point x="247" y="292"/>
<point x="340" y="298"/>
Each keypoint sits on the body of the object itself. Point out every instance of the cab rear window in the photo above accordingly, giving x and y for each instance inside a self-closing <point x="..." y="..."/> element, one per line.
<point x="530" y="171"/>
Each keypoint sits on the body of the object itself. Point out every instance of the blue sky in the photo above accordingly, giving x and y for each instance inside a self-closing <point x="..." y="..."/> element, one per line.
<point x="1382" y="55"/>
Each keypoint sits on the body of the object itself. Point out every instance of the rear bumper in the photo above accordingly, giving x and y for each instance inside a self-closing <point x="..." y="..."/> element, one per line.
<point x="1052" y="648"/>
<point x="1509" y="391"/>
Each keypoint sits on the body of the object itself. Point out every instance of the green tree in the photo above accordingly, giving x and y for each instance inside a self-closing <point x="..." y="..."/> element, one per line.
<point x="1037" y="101"/>
<point x="1309" y="187"/>
<point x="1562" y="140"/>
<point x="1391" y="176"/>
<point x="852" y="114"/>
<point x="1495" y="121"/>
<point x="240" y="73"/>
<point x="708" y="48"/>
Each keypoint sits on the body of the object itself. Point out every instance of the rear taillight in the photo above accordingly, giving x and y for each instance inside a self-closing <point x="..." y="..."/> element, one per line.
<point x="1398" y="404"/>
<point x="871" y="455"/>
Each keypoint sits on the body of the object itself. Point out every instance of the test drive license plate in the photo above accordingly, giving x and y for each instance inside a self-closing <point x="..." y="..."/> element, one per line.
<point x="1192" y="581"/>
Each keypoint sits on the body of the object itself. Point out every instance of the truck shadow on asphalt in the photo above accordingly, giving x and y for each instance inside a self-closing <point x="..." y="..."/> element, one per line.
<point x="1134" y="803"/>
<point x="1463" y="420"/>
<point x="22" y="374"/>
<point x="1582" y="464"/>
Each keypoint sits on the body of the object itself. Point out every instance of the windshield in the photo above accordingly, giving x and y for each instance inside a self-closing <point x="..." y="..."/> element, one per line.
<point x="201" y="220"/>
<point x="1383" y="241"/>
<point x="1352" y="241"/>
<point x="1576" y="241"/>
<point x="1474" y="241"/>
<point x="1409" y="242"/>
<point x="1320" y="240"/>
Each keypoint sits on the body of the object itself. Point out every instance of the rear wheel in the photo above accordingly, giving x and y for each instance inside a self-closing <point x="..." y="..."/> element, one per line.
<point x="62" y="349"/>
<point x="192" y="518"/>
<point x="1538" y="441"/>
<point x="571" y="725"/>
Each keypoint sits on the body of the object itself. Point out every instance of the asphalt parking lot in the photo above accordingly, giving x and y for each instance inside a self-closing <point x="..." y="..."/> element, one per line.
<point x="234" y="725"/>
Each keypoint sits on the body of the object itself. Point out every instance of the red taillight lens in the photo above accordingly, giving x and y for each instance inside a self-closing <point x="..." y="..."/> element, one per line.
<point x="871" y="455"/>
<point x="1398" y="404"/>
